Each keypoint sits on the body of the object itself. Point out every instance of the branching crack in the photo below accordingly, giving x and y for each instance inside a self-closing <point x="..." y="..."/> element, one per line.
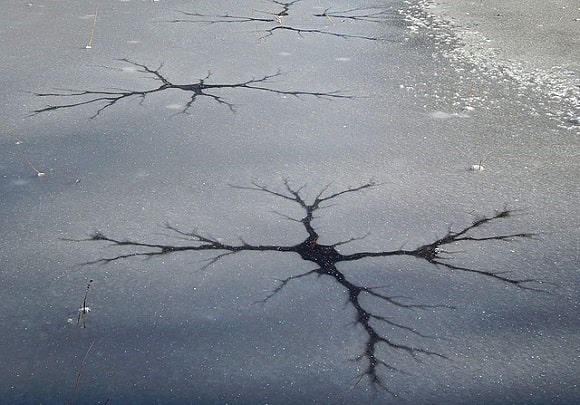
<point x="109" y="98"/>
<point x="277" y="23"/>
<point x="327" y="259"/>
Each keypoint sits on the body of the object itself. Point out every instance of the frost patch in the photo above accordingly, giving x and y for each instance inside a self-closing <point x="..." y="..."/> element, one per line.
<point x="470" y="54"/>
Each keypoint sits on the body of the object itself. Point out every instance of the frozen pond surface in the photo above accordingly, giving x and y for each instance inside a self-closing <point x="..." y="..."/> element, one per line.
<point x="134" y="134"/>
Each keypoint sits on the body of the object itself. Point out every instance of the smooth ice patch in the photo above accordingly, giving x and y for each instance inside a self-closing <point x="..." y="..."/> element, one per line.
<point x="442" y="115"/>
<point x="19" y="182"/>
<point x="175" y="106"/>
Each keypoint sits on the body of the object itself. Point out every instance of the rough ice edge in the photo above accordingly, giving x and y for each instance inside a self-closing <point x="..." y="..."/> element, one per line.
<point x="464" y="45"/>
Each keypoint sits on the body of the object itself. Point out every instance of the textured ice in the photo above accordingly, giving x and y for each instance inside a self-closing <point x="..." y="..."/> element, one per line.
<point x="166" y="330"/>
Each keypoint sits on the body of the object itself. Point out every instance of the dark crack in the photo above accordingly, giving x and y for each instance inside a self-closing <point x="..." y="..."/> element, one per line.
<point x="365" y="14"/>
<point x="108" y="98"/>
<point x="326" y="260"/>
<point x="277" y="23"/>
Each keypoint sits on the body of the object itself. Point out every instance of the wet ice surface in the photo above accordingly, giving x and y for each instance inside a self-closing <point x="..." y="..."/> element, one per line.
<point x="165" y="330"/>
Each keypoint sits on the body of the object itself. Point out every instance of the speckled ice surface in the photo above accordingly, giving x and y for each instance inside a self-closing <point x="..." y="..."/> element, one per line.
<point x="165" y="330"/>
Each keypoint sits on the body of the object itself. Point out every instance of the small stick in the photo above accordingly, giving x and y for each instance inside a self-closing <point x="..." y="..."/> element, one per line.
<point x="23" y="157"/>
<point x="83" y="310"/>
<point x="80" y="372"/>
<point x="92" y="34"/>
<point x="38" y="172"/>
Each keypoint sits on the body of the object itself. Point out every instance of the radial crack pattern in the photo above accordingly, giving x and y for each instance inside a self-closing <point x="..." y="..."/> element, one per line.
<point x="326" y="260"/>
<point x="277" y="20"/>
<point x="108" y="98"/>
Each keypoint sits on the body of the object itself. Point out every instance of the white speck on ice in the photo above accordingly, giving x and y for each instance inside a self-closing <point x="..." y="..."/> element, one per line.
<point x="477" y="168"/>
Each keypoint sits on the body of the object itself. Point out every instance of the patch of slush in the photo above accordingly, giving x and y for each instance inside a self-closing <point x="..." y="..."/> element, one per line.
<point x="470" y="54"/>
